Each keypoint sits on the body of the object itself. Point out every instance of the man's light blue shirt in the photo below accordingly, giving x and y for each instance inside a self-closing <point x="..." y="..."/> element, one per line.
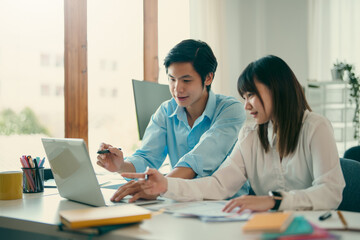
<point x="203" y="147"/>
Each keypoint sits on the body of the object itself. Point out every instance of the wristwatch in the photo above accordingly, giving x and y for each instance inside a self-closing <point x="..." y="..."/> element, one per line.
<point x="277" y="198"/>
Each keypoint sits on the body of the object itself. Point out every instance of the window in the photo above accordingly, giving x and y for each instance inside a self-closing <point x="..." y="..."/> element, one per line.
<point x="172" y="29"/>
<point x="31" y="56"/>
<point x="115" y="57"/>
<point x="31" y="41"/>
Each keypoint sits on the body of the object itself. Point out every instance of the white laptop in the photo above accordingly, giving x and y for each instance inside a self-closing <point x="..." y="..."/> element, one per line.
<point x="74" y="174"/>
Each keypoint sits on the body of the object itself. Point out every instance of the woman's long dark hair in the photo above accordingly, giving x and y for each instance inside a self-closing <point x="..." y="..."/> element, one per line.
<point x="289" y="102"/>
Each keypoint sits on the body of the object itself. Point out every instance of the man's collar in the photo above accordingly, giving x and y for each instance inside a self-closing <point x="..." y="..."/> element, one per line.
<point x="209" y="109"/>
<point x="210" y="105"/>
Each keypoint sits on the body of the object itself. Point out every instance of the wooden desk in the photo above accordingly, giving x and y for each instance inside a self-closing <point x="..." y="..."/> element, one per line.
<point x="36" y="217"/>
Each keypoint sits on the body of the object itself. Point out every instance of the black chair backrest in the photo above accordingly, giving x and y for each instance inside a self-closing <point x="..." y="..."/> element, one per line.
<point x="351" y="193"/>
<point x="353" y="153"/>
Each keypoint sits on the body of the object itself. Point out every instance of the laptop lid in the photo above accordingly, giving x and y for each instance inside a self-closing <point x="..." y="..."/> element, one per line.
<point x="72" y="169"/>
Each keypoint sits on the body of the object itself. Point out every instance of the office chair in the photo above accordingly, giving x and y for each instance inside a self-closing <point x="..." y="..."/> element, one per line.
<point x="148" y="97"/>
<point x="351" y="196"/>
<point x="353" y="153"/>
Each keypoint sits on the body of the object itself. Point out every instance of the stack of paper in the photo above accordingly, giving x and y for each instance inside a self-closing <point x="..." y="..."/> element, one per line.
<point x="207" y="211"/>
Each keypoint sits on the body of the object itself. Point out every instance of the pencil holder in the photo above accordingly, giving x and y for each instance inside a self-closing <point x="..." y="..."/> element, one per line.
<point x="33" y="180"/>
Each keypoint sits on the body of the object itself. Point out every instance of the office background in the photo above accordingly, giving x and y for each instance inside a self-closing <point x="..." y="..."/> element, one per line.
<point x="310" y="35"/>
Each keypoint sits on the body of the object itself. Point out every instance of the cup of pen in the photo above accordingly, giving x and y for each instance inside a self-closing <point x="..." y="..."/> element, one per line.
<point x="33" y="180"/>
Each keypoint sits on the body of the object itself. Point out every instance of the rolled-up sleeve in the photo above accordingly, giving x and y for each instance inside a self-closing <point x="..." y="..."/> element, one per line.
<point x="153" y="150"/>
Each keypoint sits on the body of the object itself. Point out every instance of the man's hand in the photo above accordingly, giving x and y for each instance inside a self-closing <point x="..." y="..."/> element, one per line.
<point x="131" y="188"/>
<point x="112" y="161"/>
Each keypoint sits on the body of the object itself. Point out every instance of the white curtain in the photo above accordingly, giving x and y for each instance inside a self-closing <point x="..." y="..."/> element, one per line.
<point x="220" y="23"/>
<point x="241" y="31"/>
<point x="309" y="35"/>
<point x="206" y="17"/>
<point x="334" y="34"/>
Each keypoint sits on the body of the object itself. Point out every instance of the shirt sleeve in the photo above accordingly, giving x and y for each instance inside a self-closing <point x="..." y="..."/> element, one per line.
<point x="153" y="150"/>
<point x="224" y="183"/>
<point x="328" y="180"/>
<point x="217" y="142"/>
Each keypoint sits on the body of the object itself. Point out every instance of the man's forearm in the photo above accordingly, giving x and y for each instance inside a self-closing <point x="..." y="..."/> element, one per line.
<point x="127" y="167"/>
<point x="182" y="172"/>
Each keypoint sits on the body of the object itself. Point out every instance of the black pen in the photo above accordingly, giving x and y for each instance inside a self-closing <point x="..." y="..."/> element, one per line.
<point x="104" y="151"/>
<point x="39" y="184"/>
<point x="325" y="216"/>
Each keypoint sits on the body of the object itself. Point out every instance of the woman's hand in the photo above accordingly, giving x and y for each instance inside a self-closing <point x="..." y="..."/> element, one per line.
<point x="154" y="184"/>
<point x="254" y="203"/>
<point x="112" y="161"/>
<point x="134" y="189"/>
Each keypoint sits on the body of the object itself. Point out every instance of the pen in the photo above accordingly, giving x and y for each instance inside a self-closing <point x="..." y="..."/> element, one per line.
<point x="105" y="151"/>
<point x="341" y="216"/>
<point x="146" y="176"/>
<point x="42" y="162"/>
<point x="325" y="216"/>
<point x="38" y="177"/>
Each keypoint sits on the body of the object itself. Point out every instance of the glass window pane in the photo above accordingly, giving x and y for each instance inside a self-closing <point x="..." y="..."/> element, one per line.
<point x="173" y="28"/>
<point x="115" y="57"/>
<point x="31" y="77"/>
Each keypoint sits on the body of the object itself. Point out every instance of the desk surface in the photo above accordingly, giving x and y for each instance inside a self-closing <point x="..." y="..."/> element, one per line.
<point x="39" y="213"/>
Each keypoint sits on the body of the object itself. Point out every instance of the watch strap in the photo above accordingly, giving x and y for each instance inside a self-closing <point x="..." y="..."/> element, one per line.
<point x="277" y="198"/>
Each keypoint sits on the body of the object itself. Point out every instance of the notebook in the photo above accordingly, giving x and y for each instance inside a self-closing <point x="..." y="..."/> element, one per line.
<point x="339" y="220"/>
<point x="268" y="222"/>
<point x="103" y="216"/>
<point x="74" y="174"/>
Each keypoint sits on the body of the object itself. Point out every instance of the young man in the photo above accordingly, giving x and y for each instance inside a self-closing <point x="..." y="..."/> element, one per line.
<point x="196" y="128"/>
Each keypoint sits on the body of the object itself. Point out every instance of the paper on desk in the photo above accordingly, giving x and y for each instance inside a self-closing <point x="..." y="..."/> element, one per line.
<point x="209" y="211"/>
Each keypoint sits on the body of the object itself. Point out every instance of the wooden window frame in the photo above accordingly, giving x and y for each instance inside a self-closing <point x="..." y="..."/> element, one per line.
<point x="75" y="62"/>
<point x="75" y="65"/>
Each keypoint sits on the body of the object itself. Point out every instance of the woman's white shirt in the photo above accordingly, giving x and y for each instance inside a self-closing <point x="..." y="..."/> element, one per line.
<point x="309" y="179"/>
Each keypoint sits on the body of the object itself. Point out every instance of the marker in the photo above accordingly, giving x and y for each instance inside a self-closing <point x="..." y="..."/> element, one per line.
<point x="105" y="151"/>
<point x="325" y="216"/>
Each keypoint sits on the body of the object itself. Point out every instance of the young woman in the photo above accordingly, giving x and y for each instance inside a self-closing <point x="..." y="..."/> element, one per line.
<point x="289" y="155"/>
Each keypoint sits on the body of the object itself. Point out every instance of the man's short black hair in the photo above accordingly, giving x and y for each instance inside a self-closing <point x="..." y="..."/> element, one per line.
<point x="198" y="53"/>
